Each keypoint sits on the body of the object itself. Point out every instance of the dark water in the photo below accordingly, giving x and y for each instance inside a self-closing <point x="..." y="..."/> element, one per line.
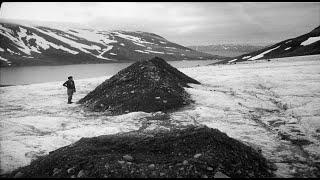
<point x="41" y="74"/>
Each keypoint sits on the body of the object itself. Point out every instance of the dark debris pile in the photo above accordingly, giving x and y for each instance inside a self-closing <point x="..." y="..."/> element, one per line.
<point x="191" y="152"/>
<point x="149" y="86"/>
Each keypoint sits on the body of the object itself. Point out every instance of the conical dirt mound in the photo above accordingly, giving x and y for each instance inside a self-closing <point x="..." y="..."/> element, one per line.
<point x="149" y="86"/>
<point x="193" y="152"/>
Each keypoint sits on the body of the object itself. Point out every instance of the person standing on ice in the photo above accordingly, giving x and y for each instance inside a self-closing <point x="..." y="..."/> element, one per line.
<point x="70" y="88"/>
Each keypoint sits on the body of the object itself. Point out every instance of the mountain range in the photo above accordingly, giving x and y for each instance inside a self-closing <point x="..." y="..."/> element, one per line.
<point x="306" y="44"/>
<point x="229" y="50"/>
<point x="30" y="45"/>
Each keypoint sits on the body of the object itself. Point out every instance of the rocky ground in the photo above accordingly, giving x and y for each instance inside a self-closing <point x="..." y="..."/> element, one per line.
<point x="193" y="152"/>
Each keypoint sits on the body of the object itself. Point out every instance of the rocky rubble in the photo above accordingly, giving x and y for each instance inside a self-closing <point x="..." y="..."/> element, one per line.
<point x="150" y="86"/>
<point x="198" y="152"/>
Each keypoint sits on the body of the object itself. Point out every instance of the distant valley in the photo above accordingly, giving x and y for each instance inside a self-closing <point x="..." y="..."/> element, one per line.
<point x="228" y="50"/>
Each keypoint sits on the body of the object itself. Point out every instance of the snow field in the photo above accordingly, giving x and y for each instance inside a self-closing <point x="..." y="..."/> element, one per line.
<point x="249" y="101"/>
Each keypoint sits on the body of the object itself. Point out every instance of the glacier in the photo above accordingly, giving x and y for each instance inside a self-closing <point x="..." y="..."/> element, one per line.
<point x="250" y="101"/>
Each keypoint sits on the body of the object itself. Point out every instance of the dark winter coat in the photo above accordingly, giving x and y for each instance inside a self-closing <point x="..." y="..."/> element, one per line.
<point x="69" y="84"/>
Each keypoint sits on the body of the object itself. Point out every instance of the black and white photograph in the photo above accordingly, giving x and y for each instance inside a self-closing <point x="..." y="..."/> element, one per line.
<point x="160" y="90"/>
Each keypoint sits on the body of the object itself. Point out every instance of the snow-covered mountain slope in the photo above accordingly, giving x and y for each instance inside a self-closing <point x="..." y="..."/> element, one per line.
<point x="307" y="44"/>
<point x="25" y="44"/>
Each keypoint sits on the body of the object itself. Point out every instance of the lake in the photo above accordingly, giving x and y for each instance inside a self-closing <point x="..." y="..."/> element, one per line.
<point x="41" y="74"/>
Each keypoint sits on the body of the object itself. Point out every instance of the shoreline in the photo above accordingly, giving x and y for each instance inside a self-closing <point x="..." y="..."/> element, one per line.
<point x="74" y="68"/>
<point x="122" y="62"/>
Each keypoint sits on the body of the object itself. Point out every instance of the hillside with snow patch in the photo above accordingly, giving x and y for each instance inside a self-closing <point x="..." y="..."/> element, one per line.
<point x="28" y="45"/>
<point x="307" y="44"/>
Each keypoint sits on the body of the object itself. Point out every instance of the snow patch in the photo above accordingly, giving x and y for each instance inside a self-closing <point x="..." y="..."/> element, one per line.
<point x="113" y="54"/>
<point x="310" y="40"/>
<point x="139" y="44"/>
<point x="28" y="56"/>
<point x="10" y="34"/>
<point x="2" y="50"/>
<point x="262" y="54"/>
<point x="81" y="47"/>
<point x="27" y="49"/>
<point x="232" y="60"/>
<point x="287" y="48"/>
<point x="157" y="52"/>
<point x="104" y="51"/>
<point x="246" y="57"/>
<point x="101" y="37"/>
<point x="41" y="42"/>
<point x="131" y="38"/>
<point x="12" y="52"/>
<point x="141" y="51"/>
<point x="170" y="47"/>
<point x="5" y="60"/>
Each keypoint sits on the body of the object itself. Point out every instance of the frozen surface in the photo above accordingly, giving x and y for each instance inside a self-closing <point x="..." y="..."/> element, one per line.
<point x="259" y="103"/>
<point x="255" y="102"/>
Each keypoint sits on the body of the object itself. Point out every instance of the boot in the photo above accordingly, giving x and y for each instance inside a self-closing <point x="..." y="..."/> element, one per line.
<point x="69" y="100"/>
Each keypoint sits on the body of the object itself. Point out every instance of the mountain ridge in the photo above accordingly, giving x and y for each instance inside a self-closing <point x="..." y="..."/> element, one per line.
<point x="238" y="47"/>
<point x="306" y="44"/>
<point x="30" y="45"/>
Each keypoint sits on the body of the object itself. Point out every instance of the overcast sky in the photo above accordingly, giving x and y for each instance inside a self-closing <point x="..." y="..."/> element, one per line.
<point x="186" y="23"/>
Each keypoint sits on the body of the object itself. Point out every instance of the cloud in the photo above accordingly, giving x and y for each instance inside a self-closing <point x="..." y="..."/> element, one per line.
<point x="182" y="22"/>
